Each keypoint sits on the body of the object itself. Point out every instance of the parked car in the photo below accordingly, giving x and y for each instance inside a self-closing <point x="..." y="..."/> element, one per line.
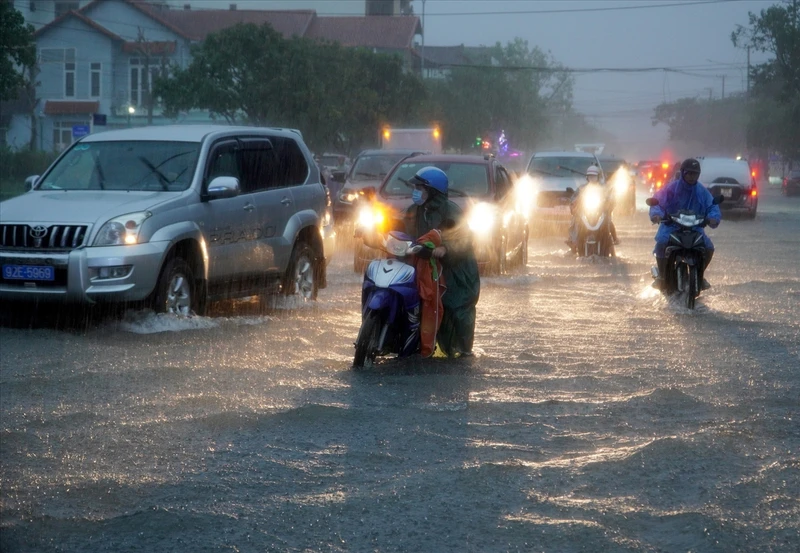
<point x="734" y="180"/>
<point x="791" y="183"/>
<point x="619" y="176"/>
<point x="368" y="170"/>
<point x="555" y="176"/>
<point x="173" y="216"/>
<point x="480" y="185"/>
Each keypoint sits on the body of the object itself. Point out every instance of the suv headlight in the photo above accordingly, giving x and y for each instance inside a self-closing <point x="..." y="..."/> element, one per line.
<point x="122" y="230"/>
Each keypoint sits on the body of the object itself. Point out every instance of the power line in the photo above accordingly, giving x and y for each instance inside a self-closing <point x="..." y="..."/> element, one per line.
<point x="586" y="10"/>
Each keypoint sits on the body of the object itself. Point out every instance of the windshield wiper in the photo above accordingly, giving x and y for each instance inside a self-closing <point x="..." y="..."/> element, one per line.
<point x="370" y="175"/>
<point x="543" y="172"/>
<point x="571" y="170"/>
<point x="153" y="169"/>
<point x="102" y="182"/>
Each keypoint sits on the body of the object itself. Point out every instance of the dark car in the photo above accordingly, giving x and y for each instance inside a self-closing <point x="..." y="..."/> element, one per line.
<point x="484" y="190"/>
<point x="733" y="179"/>
<point x="619" y="176"/>
<point x="791" y="183"/>
<point x="368" y="170"/>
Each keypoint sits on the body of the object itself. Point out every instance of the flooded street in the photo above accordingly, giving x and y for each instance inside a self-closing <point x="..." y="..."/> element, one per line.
<point x="595" y="416"/>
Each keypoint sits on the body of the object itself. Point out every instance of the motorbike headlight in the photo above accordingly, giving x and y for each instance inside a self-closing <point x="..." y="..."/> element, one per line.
<point x="592" y="200"/>
<point x="481" y="219"/>
<point x="121" y="231"/>
<point x="371" y="217"/>
<point x="620" y="183"/>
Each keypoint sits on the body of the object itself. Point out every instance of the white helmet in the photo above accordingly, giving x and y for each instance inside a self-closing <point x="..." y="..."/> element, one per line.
<point x="593" y="170"/>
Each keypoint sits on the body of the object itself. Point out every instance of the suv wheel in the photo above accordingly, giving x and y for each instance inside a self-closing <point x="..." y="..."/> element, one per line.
<point x="176" y="289"/>
<point x="301" y="274"/>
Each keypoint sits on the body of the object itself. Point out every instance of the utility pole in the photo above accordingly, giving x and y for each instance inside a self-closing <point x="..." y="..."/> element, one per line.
<point x="422" y="56"/>
<point x="748" y="72"/>
<point x="723" y="87"/>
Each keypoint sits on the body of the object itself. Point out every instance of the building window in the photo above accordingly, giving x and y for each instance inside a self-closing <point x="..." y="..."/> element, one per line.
<point x="62" y="133"/>
<point x="140" y="83"/>
<point x="32" y="6"/>
<point x="95" y="70"/>
<point x="69" y="79"/>
<point x="64" y="7"/>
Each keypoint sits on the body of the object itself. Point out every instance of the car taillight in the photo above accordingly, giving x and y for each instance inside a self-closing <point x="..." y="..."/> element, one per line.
<point x="754" y="192"/>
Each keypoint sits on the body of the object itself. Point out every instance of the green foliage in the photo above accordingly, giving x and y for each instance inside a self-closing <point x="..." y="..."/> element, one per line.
<point x="774" y="106"/>
<point x="17" y="50"/>
<point x="717" y="125"/>
<point x="514" y="88"/>
<point x="338" y="96"/>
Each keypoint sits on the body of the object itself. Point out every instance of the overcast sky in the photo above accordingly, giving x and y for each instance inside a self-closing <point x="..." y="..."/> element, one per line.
<point x="684" y="35"/>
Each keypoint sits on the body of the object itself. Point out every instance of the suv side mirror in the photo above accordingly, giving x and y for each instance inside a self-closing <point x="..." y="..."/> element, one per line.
<point x="223" y="187"/>
<point x="570" y="190"/>
<point x="339" y="176"/>
<point x="30" y="182"/>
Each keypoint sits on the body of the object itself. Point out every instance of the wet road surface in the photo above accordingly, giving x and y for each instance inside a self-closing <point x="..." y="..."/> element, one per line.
<point x="596" y="416"/>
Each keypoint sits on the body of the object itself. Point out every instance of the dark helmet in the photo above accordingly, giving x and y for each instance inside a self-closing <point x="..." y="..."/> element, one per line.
<point x="690" y="164"/>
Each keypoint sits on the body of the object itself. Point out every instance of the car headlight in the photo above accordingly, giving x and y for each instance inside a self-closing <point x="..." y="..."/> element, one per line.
<point x="592" y="200"/>
<point x="481" y="219"/>
<point x="371" y="217"/>
<point x="122" y="230"/>
<point x="621" y="183"/>
<point x="348" y="196"/>
<point x="525" y="191"/>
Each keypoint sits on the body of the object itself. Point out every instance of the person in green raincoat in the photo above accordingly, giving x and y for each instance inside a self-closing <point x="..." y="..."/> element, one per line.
<point x="432" y="210"/>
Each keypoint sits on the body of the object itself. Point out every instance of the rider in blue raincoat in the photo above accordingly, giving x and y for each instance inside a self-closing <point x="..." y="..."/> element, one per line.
<point x="684" y="193"/>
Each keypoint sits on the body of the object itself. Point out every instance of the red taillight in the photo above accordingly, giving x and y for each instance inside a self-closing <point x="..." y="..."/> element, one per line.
<point x="658" y="184"/>
<point x="754" y="192"/>
<point x="753" y="173"/>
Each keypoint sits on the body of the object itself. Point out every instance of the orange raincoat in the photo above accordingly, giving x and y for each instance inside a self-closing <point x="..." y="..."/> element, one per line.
<point x="431" y="286"/>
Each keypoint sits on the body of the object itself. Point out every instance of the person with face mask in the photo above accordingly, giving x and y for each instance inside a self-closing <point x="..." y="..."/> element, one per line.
<point x="685" y="193"/>
<point x="431" y="210"/>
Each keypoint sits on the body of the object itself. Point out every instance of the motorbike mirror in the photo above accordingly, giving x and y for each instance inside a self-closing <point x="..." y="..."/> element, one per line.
<point x="652" y="202"/>
<point x="414" y="249"/>
<point x="719" y="199"/>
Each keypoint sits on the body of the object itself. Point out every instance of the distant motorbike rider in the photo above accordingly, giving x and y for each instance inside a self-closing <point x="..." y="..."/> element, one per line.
<point x="432" y="210"/>
<point x="685" y="193"/>
<point x="592" y="177"/>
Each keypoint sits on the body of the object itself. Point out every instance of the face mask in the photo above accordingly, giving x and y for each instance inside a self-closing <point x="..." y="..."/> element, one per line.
<point x="418" y="197"/>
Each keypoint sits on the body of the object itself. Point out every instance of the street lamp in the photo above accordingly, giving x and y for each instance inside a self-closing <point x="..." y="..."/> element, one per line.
<point x="131" y="111"/>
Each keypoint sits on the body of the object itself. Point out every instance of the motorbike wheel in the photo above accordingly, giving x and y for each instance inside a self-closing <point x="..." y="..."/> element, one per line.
<point x="693" y="288"/>
<point x="367" y="341"/>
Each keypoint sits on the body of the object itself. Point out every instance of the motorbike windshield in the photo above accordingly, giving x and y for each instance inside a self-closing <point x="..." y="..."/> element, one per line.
<point x="125" y="166"/>
<point x="465" y="179"/>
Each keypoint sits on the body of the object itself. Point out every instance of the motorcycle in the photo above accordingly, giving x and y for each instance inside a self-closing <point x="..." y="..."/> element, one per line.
<point x="390" y="304"/>
<point x="593" y="217"/>
<point x="685" y="252"/>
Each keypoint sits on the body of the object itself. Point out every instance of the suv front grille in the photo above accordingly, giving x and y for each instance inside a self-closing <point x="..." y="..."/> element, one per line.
<point x="42" y="237"/>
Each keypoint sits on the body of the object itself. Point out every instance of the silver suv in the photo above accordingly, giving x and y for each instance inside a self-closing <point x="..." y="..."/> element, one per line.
<point x="174" y="216"/>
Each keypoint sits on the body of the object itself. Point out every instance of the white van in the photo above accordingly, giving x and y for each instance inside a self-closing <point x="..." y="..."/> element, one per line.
<point x="733" y="179"/>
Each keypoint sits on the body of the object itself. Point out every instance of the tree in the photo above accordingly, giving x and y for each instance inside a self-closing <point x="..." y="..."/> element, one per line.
<point x="713" y="125"/>
<point x="774" y="106"/>
<point x="338" y="96"/>
<point x="17" y="50"/>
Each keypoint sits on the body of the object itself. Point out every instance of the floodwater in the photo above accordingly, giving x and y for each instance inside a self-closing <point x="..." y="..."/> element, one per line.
<point x="596" y="416"/>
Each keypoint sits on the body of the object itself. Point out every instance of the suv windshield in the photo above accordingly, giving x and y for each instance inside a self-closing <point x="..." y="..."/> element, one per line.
<point x="374" y="166"/>
<point x="559" y="166"/>
<point x="125" y="165"/>
<point x="465" y="179"/>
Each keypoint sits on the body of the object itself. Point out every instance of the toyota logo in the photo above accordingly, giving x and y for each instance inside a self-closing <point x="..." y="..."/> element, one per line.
<point x="39" y="231"/>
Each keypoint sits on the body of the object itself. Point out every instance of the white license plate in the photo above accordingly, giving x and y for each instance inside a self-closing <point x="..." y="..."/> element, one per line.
<point x="726" y="192"/>
<point x="29" y="272"/>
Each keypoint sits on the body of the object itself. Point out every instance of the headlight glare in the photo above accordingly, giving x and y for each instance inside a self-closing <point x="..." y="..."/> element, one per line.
<point x="481" y="219"/>
<point x="123" y="230"/>
<point x="592" y="200"/>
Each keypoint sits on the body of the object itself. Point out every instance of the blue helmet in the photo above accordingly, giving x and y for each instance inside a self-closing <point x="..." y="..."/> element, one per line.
<point x="432" y="177"/>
